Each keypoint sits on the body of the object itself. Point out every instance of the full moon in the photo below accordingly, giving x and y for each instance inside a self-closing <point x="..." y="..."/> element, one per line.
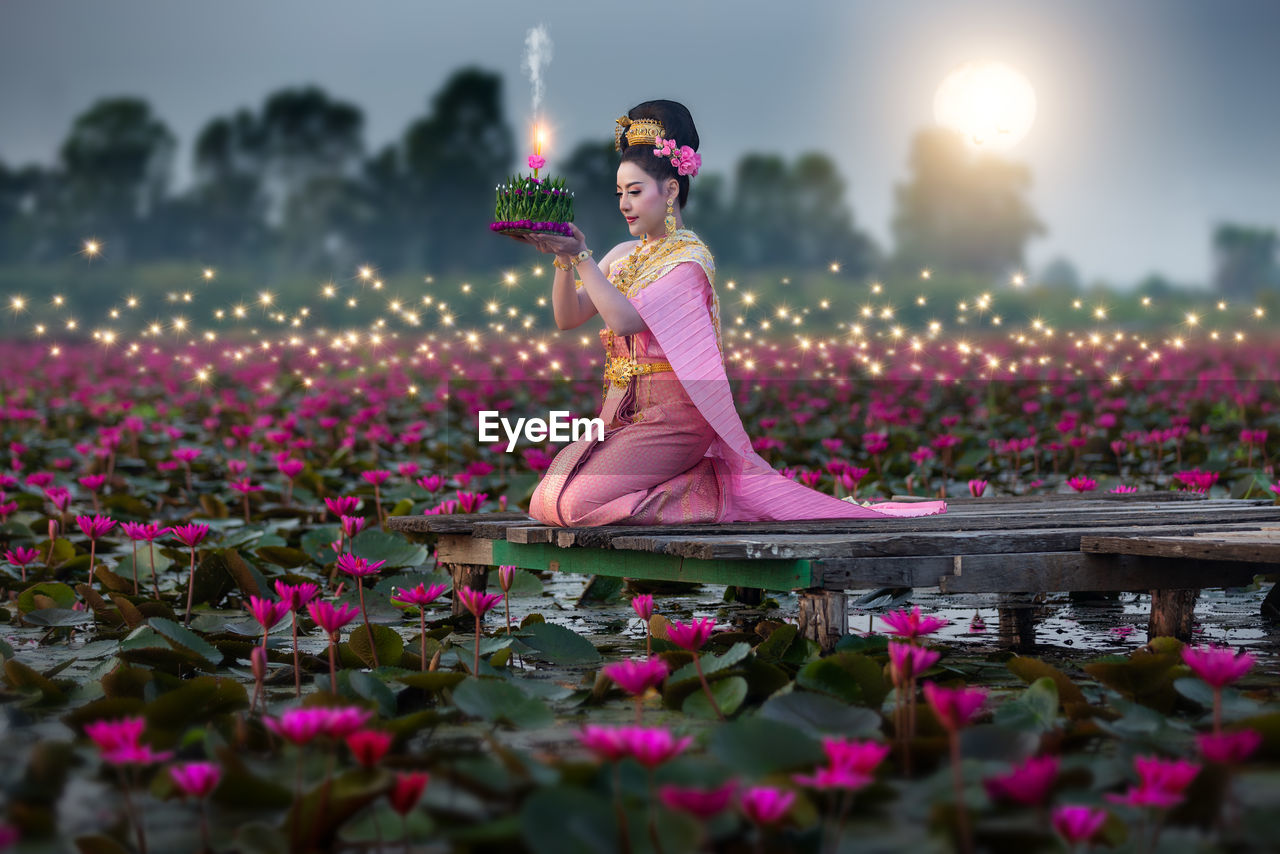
<point x="991" y="104"/>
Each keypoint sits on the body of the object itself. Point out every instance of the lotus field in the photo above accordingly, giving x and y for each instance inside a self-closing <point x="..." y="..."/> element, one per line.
<point x="210" y="641"/>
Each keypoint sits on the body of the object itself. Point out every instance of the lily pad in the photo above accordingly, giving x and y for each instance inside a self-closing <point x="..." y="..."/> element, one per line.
<point x="558" y="644"/>
<point x="498" y="700"/>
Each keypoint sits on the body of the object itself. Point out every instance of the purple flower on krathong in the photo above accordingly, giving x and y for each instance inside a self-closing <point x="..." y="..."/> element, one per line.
<point x="1027" y="784"/>
<point x="692" y="635"/>
<point x="910" y="624"/>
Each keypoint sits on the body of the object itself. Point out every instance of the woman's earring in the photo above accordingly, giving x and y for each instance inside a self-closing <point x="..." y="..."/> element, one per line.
<point x="671" y="218"/>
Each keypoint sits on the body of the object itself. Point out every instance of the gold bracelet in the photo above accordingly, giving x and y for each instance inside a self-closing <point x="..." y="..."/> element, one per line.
<point x="560" y="265"/>
<point x="580" y="257"/>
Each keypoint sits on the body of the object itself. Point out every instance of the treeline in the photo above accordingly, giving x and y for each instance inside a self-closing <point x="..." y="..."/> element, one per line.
<point x="291" y="187"/>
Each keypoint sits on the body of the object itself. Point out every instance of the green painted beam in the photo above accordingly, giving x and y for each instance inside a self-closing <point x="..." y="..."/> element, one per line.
<point x="765" y="574"/>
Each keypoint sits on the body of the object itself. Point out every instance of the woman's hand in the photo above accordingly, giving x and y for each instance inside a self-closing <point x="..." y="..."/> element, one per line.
<point x="559" y="244"/>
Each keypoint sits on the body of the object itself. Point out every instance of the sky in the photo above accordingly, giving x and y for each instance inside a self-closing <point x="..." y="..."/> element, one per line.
<point x="1155" y="119"/>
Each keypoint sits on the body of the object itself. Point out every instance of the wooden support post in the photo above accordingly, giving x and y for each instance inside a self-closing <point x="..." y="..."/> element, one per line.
<point x="824" y="616"/>
<point x="1017" y="622"/>
<point x="748" y="595"/>
<point x="1171" y="613"/>
<point x="470" y="575"/>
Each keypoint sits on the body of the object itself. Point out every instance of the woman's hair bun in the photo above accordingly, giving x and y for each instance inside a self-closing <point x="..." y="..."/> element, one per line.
<point x="678" y="123"/>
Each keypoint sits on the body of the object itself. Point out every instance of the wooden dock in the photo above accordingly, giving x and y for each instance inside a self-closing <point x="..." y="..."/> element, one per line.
<point x="1172" y="544"/>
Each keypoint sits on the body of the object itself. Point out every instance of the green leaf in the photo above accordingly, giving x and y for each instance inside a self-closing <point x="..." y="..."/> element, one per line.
<point x="778" y="642"/>
<point x="51" y="617"/>
<point x="819" y="715"/>
<point x="848" y="676"/>
<point x="369" y="687"/>
<point x="1036" y="710"/>
<point x="729" y="694"/>
<point x="712" y="663"/>
<point x="284" y="556"/>
<point x="386" y="640"/>
<point x="178" y="637"/>
<point x="559" y="644"/>
<point x="431" y="680"/>
<point x="60" y="593"/>
<point x="316" y="542"/>
<point x="497" y="700"/>
<point x="1031" y="669"/>
<point x="374" y="545"/>
<point x="758" y="747"/>
<point x="20" y="675"/>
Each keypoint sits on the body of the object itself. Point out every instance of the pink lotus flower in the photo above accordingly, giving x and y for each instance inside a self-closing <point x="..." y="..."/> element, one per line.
<point x="766" y="805"/>
<point x="1229" y="748"/>
<point x="341" y="721"/>
<point x="652" y="747"/>
<point x="431" y="483"/>
<point x="1161" y="782"/>
<point x="237" y="467"/>
<point x="298" y="726"/>
<point x="470" y="502"/>
<point x="1077" y="824"/>
<point x="536" y="162"/>
<point x="407" y="790"/>
<point x="637" y="677"/>
<point x="605" y="742"/>
<point x="954" y="707"/>
<point x="368" y="746"/>
<point x="331" y="618"/>
<point x="910" y="624"/>
<point x="245" y="486"/>
<point x="698" y="802"/>
<point x="1219" y="666"/>
<point x="506" y="577"/>
<point x="195" y="779"/>
<point x="296" y="595"/>
<point x="643" y="605"/>
<point x="118" y="741"/>
<point x="1027" y="784"/>
<point x="190" y="535"/>
<point x="186" y="455"/>
<point x="267" y="612"/>
<point x="358" y="566"/>
<point x="93" y="482"/>
<point x="906" y="661"/>
<point x="477" y="602"/>
<point x="291" y="467"/>
<point x="95" y="527"/>
<point x="376" y="477"/>
<point x="692" y="635"/>
<point x="977" y="487"/>
<point x="352" y="525"/>
<point x="1121" y="489"/>
<point x="149" y="532"/>
<point x="1080" y="483"/>
<point x="342" y="506"/>
<point x="833" y="778"/>
<point x="420" y="596"/>
<point x="21" y="557"/>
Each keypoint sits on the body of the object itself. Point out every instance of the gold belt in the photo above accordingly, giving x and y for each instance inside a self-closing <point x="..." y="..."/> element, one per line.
<point x="620" y="371"/>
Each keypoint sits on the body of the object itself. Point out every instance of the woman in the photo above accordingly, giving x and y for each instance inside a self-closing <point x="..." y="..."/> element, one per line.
<point x="674" y="448"/>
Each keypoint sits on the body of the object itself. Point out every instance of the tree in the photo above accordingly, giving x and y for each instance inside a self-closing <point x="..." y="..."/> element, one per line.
<point x="231" y="203"/>
<point x="1060" y="274"/>
<point x="1244" y="260"/>
<point x="823" y="222"/>
<point x="116" y="163"/>
<point x="961" y="213"/>
<point x="764" y="209"/>
<point x="453" y="159"/>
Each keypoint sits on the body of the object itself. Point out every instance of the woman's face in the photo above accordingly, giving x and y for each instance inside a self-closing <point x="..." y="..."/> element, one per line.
<point x="642" y="201"/>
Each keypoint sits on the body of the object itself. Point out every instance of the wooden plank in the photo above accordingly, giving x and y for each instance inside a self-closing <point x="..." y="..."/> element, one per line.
<point x="824" y="547"/>
<point x="1110" y="497"/>
<point x="1068" y="571"/>
<point x="1192" y="513"/>
<point x="462" y="548"/>
<point x="869" y="573"/>
<point x="1249" y="551"/>
<point x="450" y="523"/>
<point x="530" y="534"/>
<point x="765" y="574"/>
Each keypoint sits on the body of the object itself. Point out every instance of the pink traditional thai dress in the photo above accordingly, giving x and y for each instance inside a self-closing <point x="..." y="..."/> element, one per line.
<point x="674" y="448"/>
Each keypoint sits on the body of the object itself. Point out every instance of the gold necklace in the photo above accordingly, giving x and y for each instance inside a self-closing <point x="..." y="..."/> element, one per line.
<point x="633" y="263"/>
